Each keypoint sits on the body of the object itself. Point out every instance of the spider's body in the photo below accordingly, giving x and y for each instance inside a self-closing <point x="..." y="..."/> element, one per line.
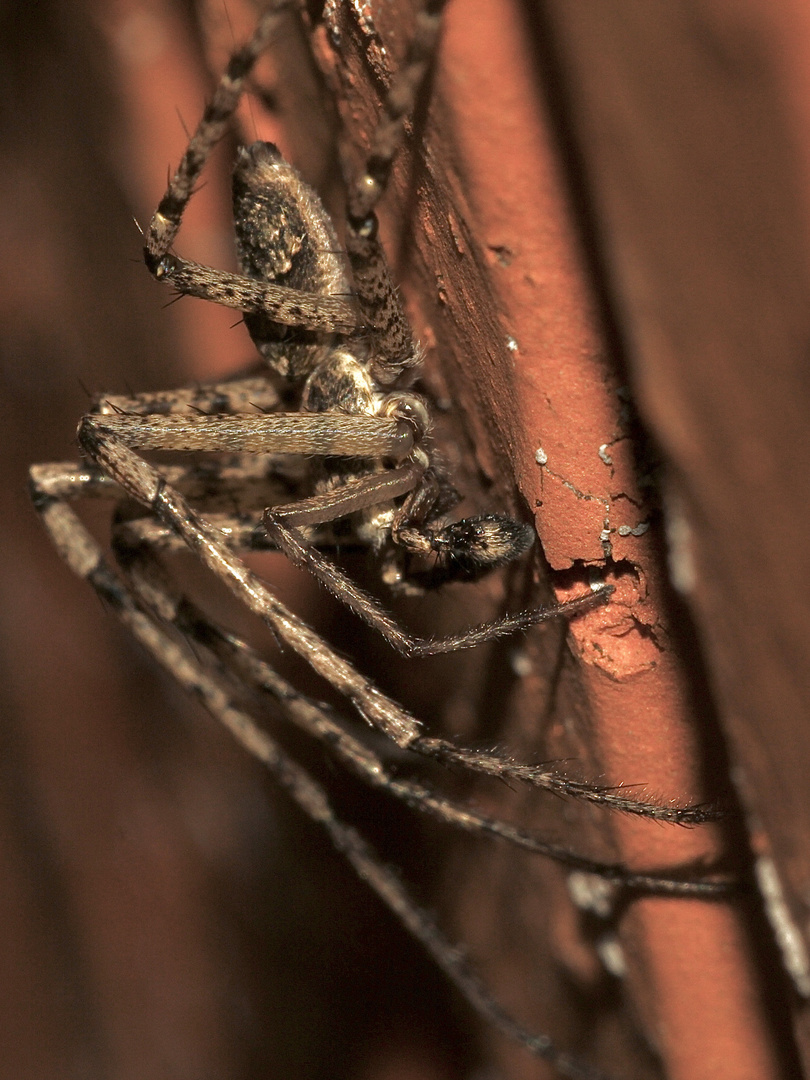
<point x="284" y="235"/>
<point x="286" y="239"/>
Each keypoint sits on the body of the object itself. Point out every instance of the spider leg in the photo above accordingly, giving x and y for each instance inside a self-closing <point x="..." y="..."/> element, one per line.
<point x="398" y="105"/>
<point x="85" y="558"/>
<point x="241" y="533"/>
<point x="283" y="304"/>
<point x="213" y="124"/>
<point x="368" y="608"/>
<point x="233" y="494"/>
<point x="317" y="720"/>
<point x="322" y="434"/>
<point x="145" y="484"/>
<point x="358" y="493"/>
<point x="378" y="299"/>
<point x="312" y="309"/>
<point x="240" y="395"/>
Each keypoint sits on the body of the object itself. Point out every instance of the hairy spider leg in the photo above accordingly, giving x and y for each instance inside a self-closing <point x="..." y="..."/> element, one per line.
<point x="84" y="556"/>
<point x="146" y="485"/>
<point x="53" y="486"/>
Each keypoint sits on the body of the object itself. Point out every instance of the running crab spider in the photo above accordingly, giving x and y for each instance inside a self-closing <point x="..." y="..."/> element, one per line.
<point x="342" y="359"/>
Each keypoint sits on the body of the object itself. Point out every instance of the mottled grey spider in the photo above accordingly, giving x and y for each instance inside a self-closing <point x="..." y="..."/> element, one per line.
<point x="339" y="357"/>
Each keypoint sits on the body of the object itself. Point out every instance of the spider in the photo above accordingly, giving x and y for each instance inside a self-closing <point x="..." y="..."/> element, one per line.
<point x="339" y="359"/>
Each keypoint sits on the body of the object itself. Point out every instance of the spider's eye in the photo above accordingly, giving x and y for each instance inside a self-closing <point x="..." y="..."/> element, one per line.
<point x="259" y="153"/>
<point x="165" y="267"/>
<point x="365" y="227"/>
<point x="408" y="407"/>
<point x="369" y="227"/>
